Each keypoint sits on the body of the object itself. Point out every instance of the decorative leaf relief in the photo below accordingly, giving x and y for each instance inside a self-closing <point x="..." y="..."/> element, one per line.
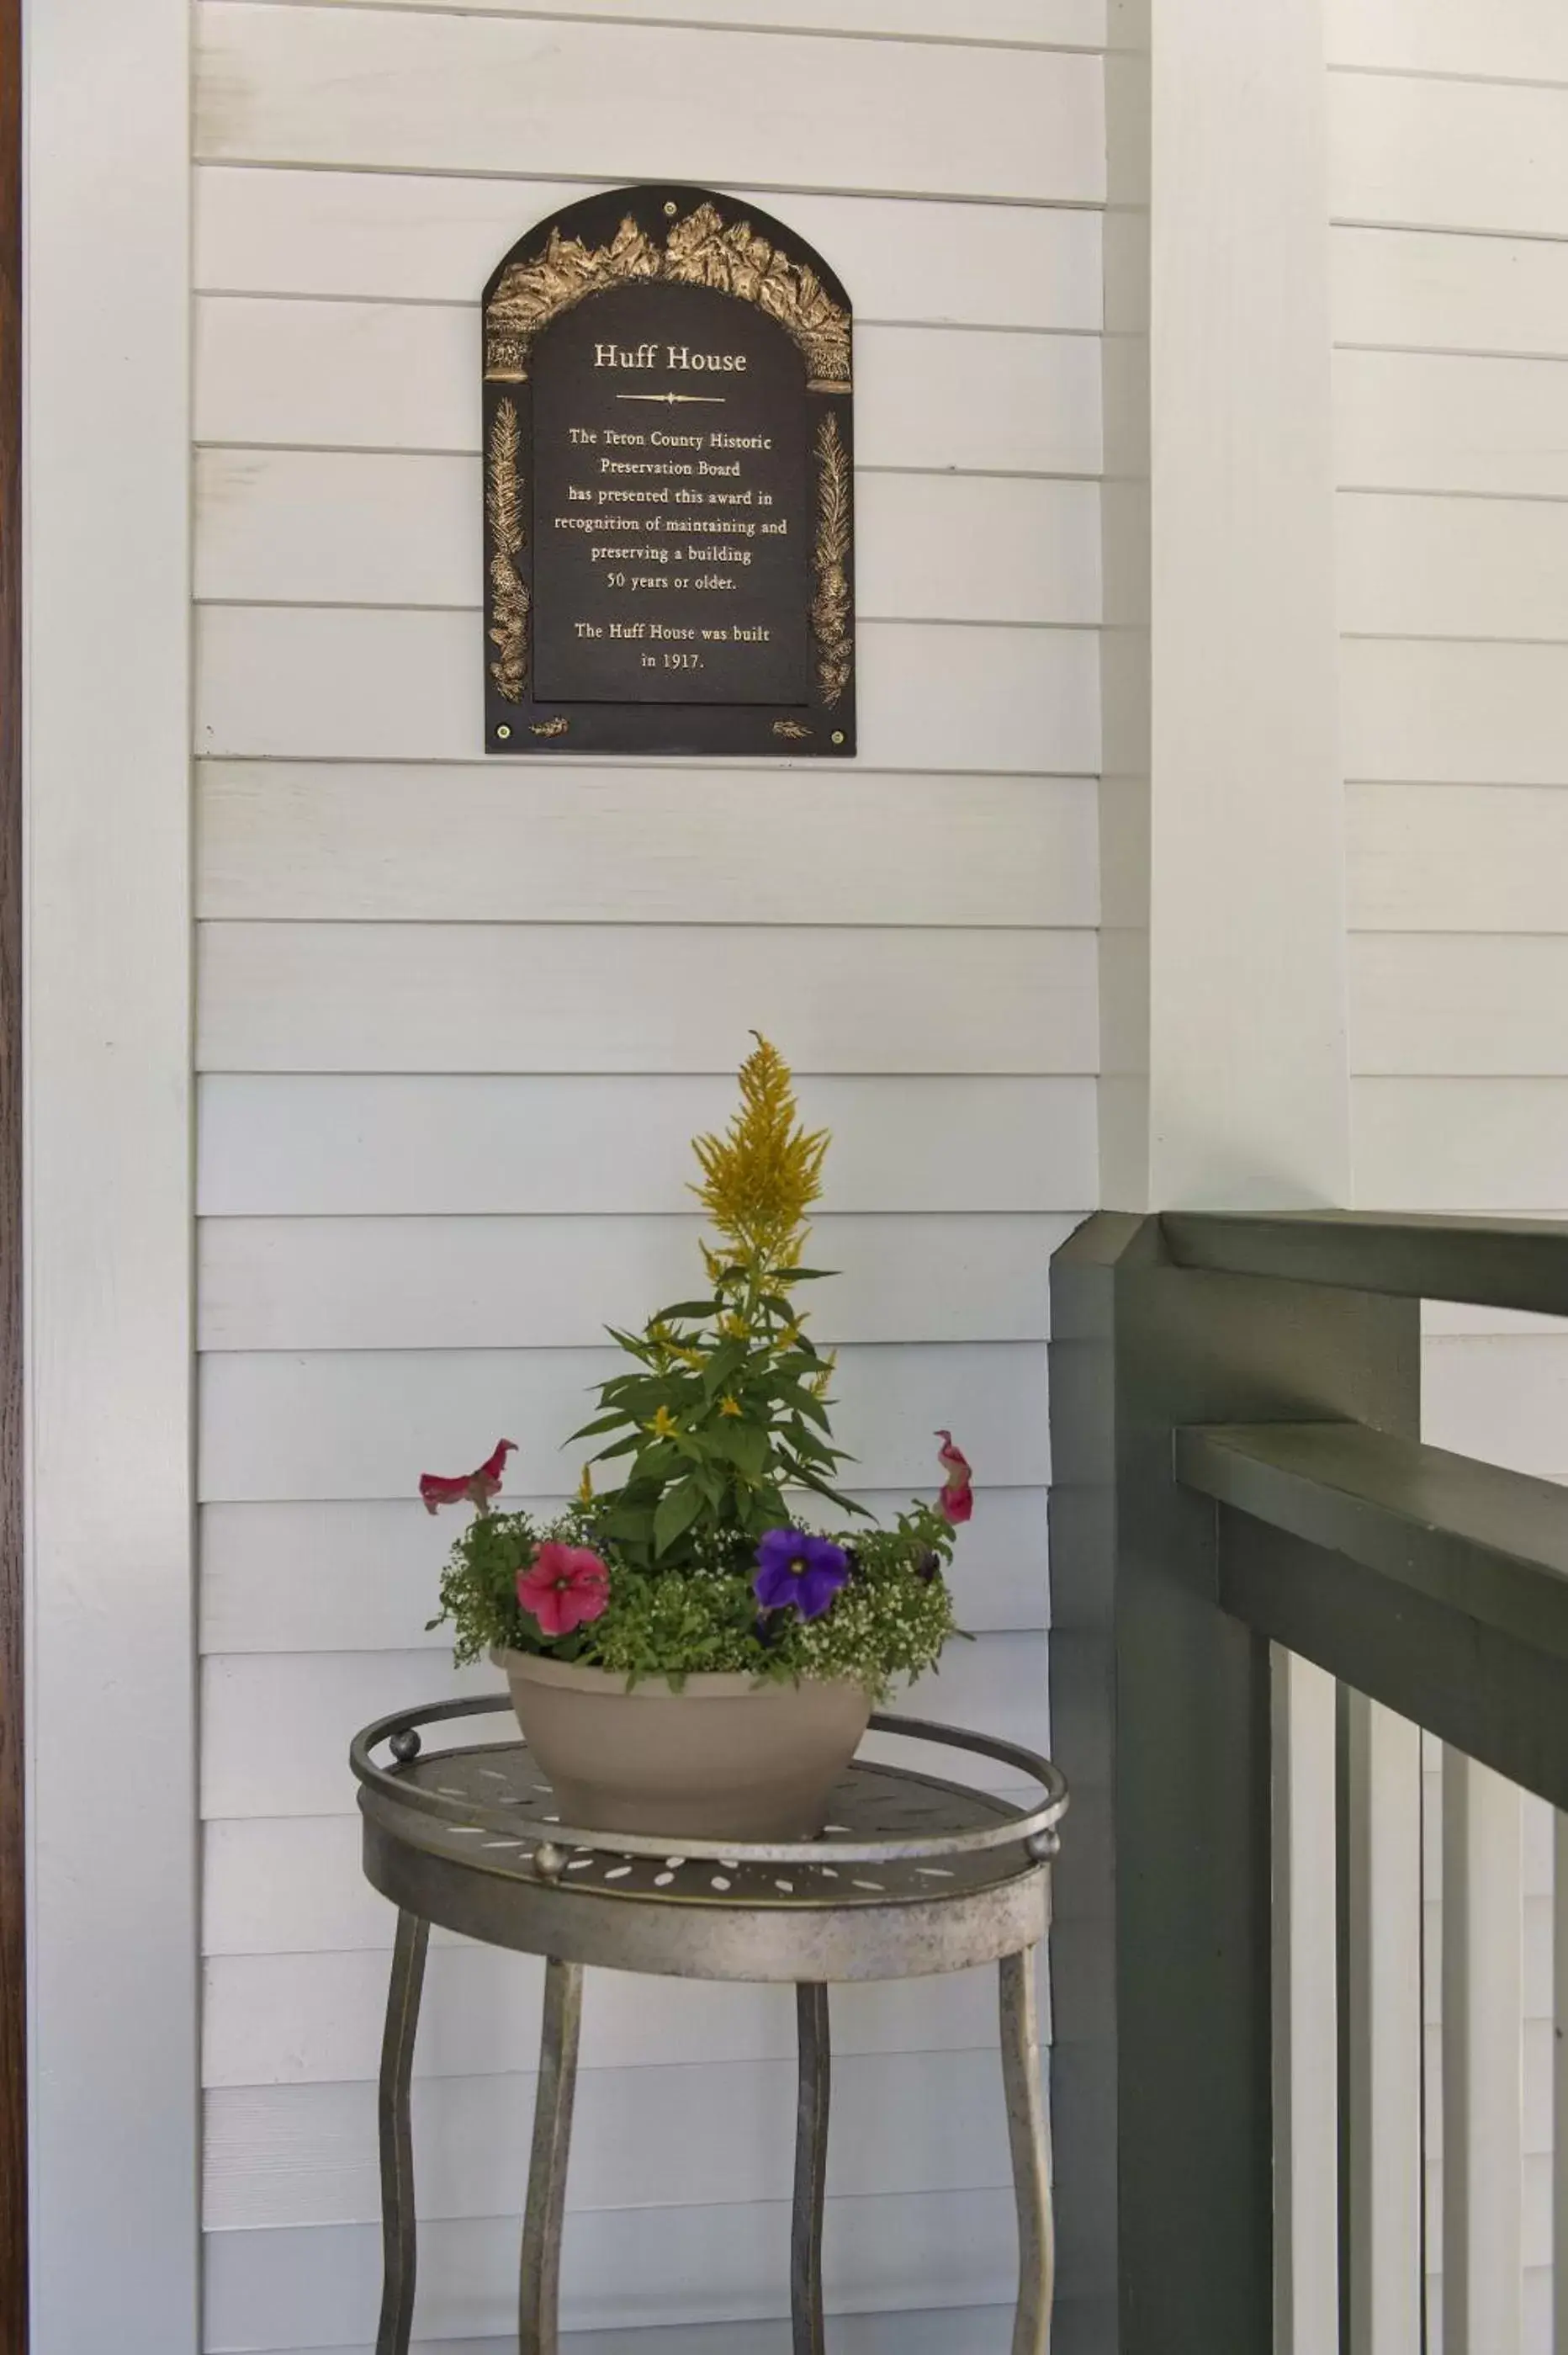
<point x="509" y="593"/>
<point x="699" y="250"/>
<point x="830" y="559"/>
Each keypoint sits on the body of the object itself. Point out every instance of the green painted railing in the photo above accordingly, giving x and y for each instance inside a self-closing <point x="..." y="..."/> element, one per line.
<point x="1235" y="1410"/>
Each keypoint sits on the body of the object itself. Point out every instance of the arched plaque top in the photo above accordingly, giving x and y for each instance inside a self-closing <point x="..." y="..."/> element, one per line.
<point x="676" y="237"/>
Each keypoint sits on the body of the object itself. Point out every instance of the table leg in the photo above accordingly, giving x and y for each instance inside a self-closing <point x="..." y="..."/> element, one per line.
<point x="398" y="2241"/>
<point x="1029" y="2134"/>
<point x="812" y="2033"/>
<point x="540" y="2296"/>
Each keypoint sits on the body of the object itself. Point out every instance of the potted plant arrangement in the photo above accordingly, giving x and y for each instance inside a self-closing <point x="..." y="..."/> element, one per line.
<point x="687" y="1653"/>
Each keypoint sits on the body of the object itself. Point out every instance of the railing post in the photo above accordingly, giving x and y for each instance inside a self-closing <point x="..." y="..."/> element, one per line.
<point x="1161" y="1708"/>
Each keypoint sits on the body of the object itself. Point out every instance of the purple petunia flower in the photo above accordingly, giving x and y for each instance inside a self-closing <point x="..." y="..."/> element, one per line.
<point x="792" y="1568"/>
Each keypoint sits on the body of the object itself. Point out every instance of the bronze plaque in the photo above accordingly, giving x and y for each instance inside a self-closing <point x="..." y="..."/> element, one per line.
<point x="669" y="495"/>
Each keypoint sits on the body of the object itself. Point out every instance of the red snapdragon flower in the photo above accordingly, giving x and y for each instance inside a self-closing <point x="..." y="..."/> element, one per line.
<point x="471" y="1488"/>
<point x="956" y="1502"/>
<point x="563" y="1586"/>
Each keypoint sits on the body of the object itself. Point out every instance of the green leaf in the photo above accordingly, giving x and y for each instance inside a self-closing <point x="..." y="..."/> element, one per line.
<point x="676" y="1511"/>
<point x="591" y="1430"/>
<point x="721" y="1365"/>
<point x="686" y="1309"/>
<point x="744" y="1444"/>
<point x="806" y="1402"/>
<point x="806" y="1275"/>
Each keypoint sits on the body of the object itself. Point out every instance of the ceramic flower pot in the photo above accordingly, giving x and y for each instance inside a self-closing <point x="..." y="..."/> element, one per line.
<point x="724" y="1758"/>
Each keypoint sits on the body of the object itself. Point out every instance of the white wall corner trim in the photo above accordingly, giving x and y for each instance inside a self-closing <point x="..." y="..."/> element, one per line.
<point x="111" y="1831"/>
<point x="1248" y="1090"/>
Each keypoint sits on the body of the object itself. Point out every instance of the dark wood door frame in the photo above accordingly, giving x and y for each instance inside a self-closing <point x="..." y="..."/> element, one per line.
<point x="13" y="1854"/>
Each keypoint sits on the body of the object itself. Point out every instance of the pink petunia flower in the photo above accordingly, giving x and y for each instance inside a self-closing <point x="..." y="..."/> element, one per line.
<point x="956" y="1502"/>
<point x="563" y="1587"/>
<point x="471" y="1488"/>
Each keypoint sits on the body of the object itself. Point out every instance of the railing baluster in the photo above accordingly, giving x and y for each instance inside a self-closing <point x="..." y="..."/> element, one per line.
<point x="1306" y="2002"/>
<point x="1384" y="2029"/>
<point x="1483" y="2104"/>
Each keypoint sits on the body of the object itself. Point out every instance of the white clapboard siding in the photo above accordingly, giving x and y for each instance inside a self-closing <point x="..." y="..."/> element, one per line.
<point x="687" y="2134"/>
<point x="405" y="376"/>
<point x="557" y="1283"/>
<point x="1447" y="421"/>
<point x="996" y="1684"/>
<point x="304" y="2020"/>
<point x="1486" y="1004"/>
<point x="362" y="684"/>
<point x="621" y="2267"/>
<point x="290" y="1884"/>
<point x="309" y="527"/>
<point x="1525" y="40"/>
<point x="362" y="1576"/>
<point x="596" y="843"/>
<point x="1421" y="154"/>
<point x="1458" y="859"/>
<point x="1444" y="568"/>
<point x="1455" y="714"/>
<point x="1021" y="24"/>
<point x="585" y="997"/>
<point x="424" y="239"/>
<point x="1443" y="1144"/>
<point x="467" y="93"/>
<point x="324" y="1144"/>
<point x="366" y="1423"/>
<point x="1502" y="1397"/>
<point x="1480" y="295"/>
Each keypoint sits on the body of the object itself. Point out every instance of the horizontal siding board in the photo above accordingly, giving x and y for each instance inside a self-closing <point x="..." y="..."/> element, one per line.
<point x="283" y="2288"/>
<point x="1442" y="294"/>
<point x="304" y="527"/>
<point x="1442" y="422"/>
<point x="684" y="2136"/>
<point x="361" y="1576"/>
<point x="276" y="682"/>
<point x="290" y="1884"/>
<point x="421" y="238"/>
<point x="1502" y="1397"/>
<point x="497" y="998"/>
<point x="1454" y="714"/>
<point x="305" y="2020"/>
<point x="1420" y="153"/>
<point x="403" y="376"/>
<point x="330" y="1145"/>
<point x="496" y="1284"/>
<point x="613" y="845"/>
<point x="1522" y="39"/>
<point x="996" y="1683"/>
<point x="469" y="93"/>
<point x="1445" y="1144"/>
<point x="1031" y="24"/>
<point x="1484" y="1004"/>
<point x="1458" y="859"/>
<point x="1417" y="567"/>
<point x="343" y="1425"/>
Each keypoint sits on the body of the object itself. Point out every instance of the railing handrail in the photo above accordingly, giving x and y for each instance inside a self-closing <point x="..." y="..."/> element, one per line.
<point x="1520" y="1263"/>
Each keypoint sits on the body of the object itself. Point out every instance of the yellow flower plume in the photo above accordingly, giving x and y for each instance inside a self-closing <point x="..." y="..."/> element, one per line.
<point x="760" y="1178"/>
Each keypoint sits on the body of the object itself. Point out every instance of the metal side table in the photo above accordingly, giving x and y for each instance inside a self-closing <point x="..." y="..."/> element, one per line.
<point x="914" y="1875"/>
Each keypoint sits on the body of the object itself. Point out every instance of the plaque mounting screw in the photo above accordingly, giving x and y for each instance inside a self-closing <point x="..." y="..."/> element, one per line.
<point x="503" y="733"/>
<point x="839" y="735"/>
<point x="671" y="207"/>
